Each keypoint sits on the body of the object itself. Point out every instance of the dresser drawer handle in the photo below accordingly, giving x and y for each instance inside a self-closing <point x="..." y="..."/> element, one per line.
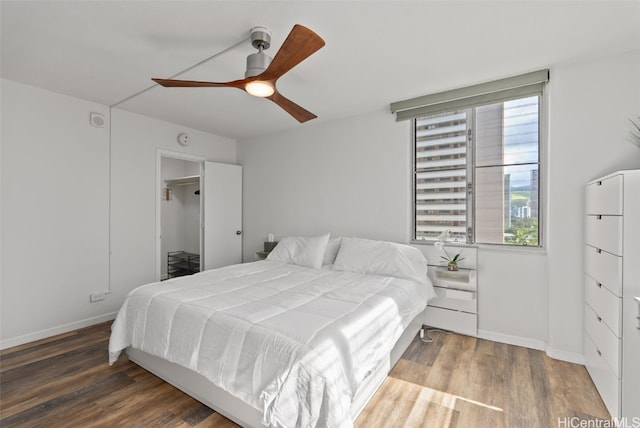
<point x="599" y="319"/>
<point x="599" y="353"/>
<point x="599" y="183"/>
<point x="598" y="250"/>
<point x="599" y="285"/>
<point x="598" y="217"/>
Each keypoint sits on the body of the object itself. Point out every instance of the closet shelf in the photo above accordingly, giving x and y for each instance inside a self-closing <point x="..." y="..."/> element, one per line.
<point x="183" y="181"/>
<point x="181" y="263"/>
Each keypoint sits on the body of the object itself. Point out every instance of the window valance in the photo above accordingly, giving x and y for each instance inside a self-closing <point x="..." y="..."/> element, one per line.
<point x="483" y="93"/>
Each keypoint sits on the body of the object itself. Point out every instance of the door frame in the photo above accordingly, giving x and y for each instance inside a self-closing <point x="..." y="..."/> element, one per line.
<point x="160" y="153"/>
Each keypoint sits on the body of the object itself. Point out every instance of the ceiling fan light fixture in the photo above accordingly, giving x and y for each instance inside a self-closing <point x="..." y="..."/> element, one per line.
<point x="258" y="88"/>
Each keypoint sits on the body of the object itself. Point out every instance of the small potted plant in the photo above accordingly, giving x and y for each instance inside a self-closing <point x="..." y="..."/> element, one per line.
<point x="452" y="262"/>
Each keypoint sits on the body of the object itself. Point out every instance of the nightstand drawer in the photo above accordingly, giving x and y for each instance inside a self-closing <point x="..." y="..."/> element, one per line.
<point x="447" y="319"/>
<point x="604" y="303"/>
<point x="463" y="279"/>
<point x="607" y="343"/>
<point x="605" y="268"/>
<point x="605" y="196"/>
<point x="605" y="232"/>
<point x="460" y="300"/>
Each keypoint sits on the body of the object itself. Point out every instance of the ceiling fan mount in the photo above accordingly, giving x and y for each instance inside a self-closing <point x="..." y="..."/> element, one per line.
<point x="260" y="37"/>
<point x="263" y="72"/>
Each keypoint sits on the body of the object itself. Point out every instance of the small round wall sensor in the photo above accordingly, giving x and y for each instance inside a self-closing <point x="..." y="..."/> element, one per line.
<point x="96" y="119"/>
<point x="183" y="139"/>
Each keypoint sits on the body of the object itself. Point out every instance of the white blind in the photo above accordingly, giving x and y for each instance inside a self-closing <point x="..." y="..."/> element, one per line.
<point x="483" y="93"/>
<point x="440" y="180"/>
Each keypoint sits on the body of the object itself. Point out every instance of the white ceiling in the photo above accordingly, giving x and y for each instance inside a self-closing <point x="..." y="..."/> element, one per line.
<point x="376" y="52"/>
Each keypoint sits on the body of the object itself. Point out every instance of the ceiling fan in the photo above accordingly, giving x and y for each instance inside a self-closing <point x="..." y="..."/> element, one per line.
<point x="263" y="72"/>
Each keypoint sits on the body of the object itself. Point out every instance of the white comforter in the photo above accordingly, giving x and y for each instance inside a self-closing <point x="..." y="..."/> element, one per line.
<point x="291" y="341"/>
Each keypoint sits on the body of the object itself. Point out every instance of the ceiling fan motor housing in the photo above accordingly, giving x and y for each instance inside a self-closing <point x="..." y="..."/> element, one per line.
<point x="259" y="61"/>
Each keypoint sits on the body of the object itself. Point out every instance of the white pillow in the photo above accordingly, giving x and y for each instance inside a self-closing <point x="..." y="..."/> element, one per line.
<point x="302" y="251"/>
<point x="331" y="252"/>
<point x="382" y="258"/>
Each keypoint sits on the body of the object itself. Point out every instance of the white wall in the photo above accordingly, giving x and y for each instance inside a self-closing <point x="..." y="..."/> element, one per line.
<point x="512" y="301"/>
<point x="348" y="177"/>
<point x="191" y="210"/>
<point x="171" y="211"/>
<point x="58" y="178"/>
<point x="191" y="223"/>
<point x="55" y="211"/>
<point x="352" y="177"/>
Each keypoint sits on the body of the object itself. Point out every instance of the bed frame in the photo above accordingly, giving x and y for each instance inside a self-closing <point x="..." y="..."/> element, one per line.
<point x="200" y="388"/>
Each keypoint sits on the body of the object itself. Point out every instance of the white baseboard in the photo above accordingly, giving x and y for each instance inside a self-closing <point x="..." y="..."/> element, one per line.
<point x="540" y="345"/>
<point x="571" y="357"/>
<point x="43" y="334"/>
<point x="525" y="342"/>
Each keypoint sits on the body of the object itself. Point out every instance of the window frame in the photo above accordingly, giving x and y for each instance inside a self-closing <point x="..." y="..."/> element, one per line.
<point x="471" y="179"/>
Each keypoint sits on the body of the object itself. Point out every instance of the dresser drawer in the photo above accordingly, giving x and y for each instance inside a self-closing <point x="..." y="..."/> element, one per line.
<point x="605" y="232"/>
<point x="605" y="304"/>
<point x="605" y="380"/>
<point x="605" y="196"/>
<point x="607" y="343"/>
<point x="605" y="268"/>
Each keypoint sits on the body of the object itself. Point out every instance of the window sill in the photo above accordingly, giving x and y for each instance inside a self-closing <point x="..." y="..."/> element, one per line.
<point x="498" y="248"/>
<point x="486" y="247"/>
<point x="447" y="244"/>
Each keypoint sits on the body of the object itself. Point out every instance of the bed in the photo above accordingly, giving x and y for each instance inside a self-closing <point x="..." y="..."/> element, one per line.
<point x="302" y="339"/>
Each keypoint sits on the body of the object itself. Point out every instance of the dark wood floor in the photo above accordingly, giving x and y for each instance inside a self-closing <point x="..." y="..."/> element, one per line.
<point x="456" y="381"/>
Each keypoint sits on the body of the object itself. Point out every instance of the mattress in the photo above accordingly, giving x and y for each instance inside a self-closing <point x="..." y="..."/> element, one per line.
<point x="291" y="341"/>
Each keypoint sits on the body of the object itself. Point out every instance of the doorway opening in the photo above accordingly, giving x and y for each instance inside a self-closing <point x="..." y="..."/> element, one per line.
<point x="198" y="214"/>
<point x="180" y="212"/>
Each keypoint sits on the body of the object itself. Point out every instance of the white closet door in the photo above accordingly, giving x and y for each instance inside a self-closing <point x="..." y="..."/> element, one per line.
<point x="222" y="214"/>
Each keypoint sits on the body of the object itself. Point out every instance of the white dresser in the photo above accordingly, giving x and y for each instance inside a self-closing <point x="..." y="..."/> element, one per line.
<point x="612" y="280"/>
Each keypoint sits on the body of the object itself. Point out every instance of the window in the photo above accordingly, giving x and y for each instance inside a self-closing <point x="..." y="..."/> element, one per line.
<point x="477" y="165"/>
<point x="440" y="178"/>
<point x="507" y="162"/>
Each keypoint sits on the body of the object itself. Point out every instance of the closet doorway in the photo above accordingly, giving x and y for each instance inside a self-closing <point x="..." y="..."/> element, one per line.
<point x="180" y="207"/>
<point x="199" y="215"/>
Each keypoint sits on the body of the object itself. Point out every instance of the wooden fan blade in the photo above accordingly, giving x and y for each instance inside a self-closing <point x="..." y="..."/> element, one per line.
<point x="298" y="46"/>
<point x="172" y="83"/>
<point x="300" y="114"/>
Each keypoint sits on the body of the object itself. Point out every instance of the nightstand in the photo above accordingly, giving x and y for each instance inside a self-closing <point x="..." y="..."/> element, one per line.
<point x="455" y="307"/>
<point x="268" y="247"/>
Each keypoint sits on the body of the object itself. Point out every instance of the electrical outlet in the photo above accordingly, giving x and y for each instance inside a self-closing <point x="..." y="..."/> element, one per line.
<point x="96" y="296"/>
